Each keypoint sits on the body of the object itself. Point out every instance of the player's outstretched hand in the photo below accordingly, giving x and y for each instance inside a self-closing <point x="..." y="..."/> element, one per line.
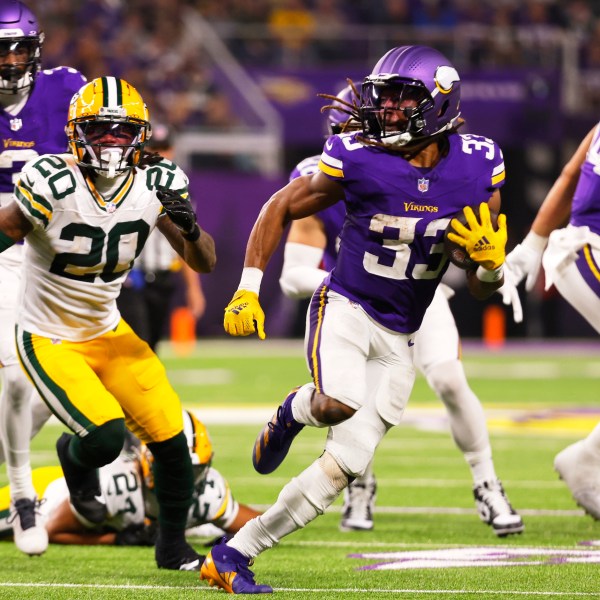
<point x="244" y="315"/>
<point x="178" y="209"/>
<point x="484" y="244"/>
<point x="510" y="294"/>
<point x="525" y="259"/>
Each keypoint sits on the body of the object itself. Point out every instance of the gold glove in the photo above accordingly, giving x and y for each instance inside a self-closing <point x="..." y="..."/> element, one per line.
<point x="484" y="245"/>
<point x="244" y="315"/>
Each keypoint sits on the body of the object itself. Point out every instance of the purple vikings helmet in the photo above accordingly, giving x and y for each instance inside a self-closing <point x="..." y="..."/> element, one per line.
<point x="20" y="35"/>
<point x="419" y="74"/>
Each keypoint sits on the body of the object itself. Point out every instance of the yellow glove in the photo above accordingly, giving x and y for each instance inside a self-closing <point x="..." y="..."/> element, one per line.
<point x="244" y="315"/>
<point x="484" y="245"/>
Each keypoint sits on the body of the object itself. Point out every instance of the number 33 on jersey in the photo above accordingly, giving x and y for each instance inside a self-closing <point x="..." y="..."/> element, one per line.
<point x="397" y="214"/>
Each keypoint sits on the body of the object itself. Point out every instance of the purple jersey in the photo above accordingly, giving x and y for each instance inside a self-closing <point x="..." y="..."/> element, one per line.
<point x="39" y="127"/>
<point x="391" y="247"/>
<point x="332" y="217"/>
<point x="585" y="209"/>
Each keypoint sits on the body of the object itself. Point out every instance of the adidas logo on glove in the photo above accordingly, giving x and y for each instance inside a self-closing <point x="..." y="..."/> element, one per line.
<point x="483" y="244"/>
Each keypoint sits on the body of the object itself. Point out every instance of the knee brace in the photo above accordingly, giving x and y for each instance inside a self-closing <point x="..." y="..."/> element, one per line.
<point x="99" y="447"/>
<point x="352" y="443"/>
<point x="339" y="479"/>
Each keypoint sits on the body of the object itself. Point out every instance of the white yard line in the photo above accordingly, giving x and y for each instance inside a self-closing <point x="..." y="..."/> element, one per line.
<point x="366" y="590"/>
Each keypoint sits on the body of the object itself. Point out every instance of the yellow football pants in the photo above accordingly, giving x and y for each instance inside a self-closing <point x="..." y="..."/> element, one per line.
<point x="115" y="375"/>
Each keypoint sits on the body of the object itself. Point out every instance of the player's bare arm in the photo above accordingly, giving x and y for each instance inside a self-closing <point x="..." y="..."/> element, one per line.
<point x="199" y="254"/>
<point x="300" y="198"/>
<point x="13" y="223"/>
<point x="556" y="209"/>
<point x="64" y="528"/>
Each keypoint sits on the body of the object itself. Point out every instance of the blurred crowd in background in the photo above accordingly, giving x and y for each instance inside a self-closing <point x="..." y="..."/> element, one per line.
<point x="154" y="44"/>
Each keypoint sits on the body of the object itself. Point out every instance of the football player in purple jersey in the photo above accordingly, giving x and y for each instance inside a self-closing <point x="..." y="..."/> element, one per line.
<point x="310" y="252"/>
<point x="571" y="259"/>
<point x="33" y="112"/>
<point x="401" y="179"/>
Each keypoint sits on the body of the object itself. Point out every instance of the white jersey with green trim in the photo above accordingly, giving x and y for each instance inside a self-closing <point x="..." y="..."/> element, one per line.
<point x="83" y="244"/>
<point x="129" y="501"/>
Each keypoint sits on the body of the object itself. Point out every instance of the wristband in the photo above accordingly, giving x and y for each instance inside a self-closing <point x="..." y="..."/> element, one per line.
<point x="193" y="235"/>
<point x="489" y="276"/>
<point x="251" y="279"/>
<point x="535" y="241"/>
<point x="5" y="242"/>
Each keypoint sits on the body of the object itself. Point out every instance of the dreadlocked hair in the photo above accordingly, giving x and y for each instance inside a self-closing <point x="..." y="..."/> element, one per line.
<point x="348" y="108"/>
<point x="409" y="151"/>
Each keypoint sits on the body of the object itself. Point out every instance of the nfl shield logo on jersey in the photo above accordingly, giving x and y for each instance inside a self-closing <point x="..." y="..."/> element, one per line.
<point x="16" y="124"/>
<point x="423" y="184"/>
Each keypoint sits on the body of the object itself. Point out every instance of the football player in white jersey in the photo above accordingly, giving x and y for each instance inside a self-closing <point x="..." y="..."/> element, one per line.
<point x="309" y="243"/>
<point x="34" y="107"/>
<point x="127" y="485"/>
<point x="570" y="256"/>
<point x="86" y="216"/>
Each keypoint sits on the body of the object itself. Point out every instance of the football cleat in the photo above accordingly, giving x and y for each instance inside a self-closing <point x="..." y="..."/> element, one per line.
<point x="274" y="441"/>
<point x="359" y="504"/>
<point x="495" y="510"/>
<point x="86" y="499"/>
<point x="29" y="532"/>
<point x="581" y="472"/>
<point x="177" y="556"/>
<point x="228" y="569"/>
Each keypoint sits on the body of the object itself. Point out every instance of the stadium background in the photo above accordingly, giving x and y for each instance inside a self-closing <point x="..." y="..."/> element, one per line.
<point x="236" y="80"/>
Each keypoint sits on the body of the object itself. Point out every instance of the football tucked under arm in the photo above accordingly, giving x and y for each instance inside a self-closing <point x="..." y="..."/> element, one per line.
<point x="473" y="240"/>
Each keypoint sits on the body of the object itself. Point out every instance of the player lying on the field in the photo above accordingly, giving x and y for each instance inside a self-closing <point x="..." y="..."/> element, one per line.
<point x="127" y="485"/>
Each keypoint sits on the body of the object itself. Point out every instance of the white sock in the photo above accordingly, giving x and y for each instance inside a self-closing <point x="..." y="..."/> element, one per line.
<point x="15" y="430"/>
<point x="482" y="465"/>
<point x="301" y="410"/>
<point x="466" y="416"/>
<point x="21" y="485"/>
<point x="301" y="500"/>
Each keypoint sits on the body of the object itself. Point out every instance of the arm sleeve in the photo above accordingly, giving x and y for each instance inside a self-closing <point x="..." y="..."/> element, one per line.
<point x="301" y="274"/>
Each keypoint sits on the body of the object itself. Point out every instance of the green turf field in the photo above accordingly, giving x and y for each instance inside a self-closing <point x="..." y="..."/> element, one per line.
<point x="537" y="401"/>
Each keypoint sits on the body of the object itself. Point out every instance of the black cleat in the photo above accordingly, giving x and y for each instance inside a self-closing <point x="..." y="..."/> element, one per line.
<point x="177" y="556"/>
